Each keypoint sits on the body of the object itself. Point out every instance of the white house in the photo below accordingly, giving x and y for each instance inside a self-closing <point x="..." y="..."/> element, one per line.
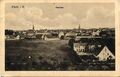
<point x="69" y="34"/>
<point x="17" y="37"/>
<point x="79" y="47"/>
<point x="105" y="54"/>
<point x="60" y="34"/>
<point x="96" y="33"/>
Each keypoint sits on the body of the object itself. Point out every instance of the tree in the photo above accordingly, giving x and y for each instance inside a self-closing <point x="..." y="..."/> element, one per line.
<point x="9" y="32"/>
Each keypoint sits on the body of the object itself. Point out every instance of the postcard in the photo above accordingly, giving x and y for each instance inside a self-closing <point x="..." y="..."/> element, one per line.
<point x="59" y="38"/>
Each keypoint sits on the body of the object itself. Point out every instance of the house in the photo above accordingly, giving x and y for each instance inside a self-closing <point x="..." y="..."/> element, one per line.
<point x="48" y="36"/>
<point x="70" y="35"/>
<point x="61" y="34"/>
<point x="31" y="33"/>
<point x="79" y="47"/>
<point x="45" y="36"/>
<point x="96" y="33"/>
<point x="91" y="47"/>
<point x="83" y="53"/>
<point x="105" y="54"/>
<point x="17" y="37"/>
<point x="7" y="37"/>
<point x="22" y="35"/>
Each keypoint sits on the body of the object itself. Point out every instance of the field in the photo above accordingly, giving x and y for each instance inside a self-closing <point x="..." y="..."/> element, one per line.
<point x="45" y="55"/>
<point x="36" y="54"/>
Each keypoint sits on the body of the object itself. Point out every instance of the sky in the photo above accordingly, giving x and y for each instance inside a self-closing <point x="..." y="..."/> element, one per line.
<point x="47" y="16"/>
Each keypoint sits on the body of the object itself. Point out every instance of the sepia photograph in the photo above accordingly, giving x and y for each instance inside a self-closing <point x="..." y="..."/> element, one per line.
<point x="60" y="37"/>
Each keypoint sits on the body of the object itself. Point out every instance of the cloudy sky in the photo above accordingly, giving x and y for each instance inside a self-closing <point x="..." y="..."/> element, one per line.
<point x="47" y="16"/>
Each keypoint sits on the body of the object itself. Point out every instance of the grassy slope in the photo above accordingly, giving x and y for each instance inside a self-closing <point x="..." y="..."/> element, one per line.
<point x="40" y="51"/>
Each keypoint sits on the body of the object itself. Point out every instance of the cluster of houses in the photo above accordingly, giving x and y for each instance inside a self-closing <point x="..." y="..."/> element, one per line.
<point x="45" y="34"/>
<point x="98" y="49"/>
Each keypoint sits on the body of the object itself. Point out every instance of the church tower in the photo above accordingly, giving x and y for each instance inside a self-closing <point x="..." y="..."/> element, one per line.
<point x="79" y="28"/>
<point x="33" y="27"/>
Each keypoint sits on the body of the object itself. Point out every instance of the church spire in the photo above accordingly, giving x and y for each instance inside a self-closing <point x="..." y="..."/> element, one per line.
<point x="79" y="28"/>
<point x="33" y="27"/>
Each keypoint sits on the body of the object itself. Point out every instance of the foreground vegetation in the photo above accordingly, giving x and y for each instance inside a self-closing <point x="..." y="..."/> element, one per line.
<point x="47" y="55"/>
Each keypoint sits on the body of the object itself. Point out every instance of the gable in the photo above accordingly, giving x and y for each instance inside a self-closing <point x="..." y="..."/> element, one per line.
<point x="105" y="53"/>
